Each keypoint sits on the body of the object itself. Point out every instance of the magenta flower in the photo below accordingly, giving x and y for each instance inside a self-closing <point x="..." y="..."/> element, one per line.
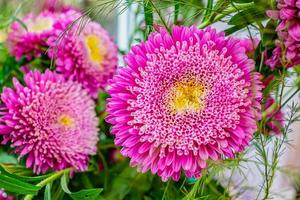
<point x="4" y="195"/>
<point x="50" y="120"/>
<point x="183" y="99"/>
<point x="89" y="58"/>
<point x="249" y="44"/>
<point x="288" y="31"/>
<point x="31" y="41"/>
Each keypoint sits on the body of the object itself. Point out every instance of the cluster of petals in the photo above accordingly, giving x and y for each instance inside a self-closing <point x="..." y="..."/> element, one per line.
<point x="49" y="120"/>
<point x="185" y="98"/>
<point x="289" y="33"/>
<point x="29" y="37"/>
<point x="86" y="54"/>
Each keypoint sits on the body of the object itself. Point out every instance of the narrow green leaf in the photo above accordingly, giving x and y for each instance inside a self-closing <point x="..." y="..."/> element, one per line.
<point x="148" y="13"/>
<point x="88" y="194"/>
<point x="248" y="16"/>
<point x="47" y="194"/>
<point x="269" y="34"/>
<point x="64" y="183"/>
<point x="14" y="185"/>
<point x="234" y="29"/>
<point x="208" y="11"/>
<point x="14" y="171"/>
<point x="176" y="10"/>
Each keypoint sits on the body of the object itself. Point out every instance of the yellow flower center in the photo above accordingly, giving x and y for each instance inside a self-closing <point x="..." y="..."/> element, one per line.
<point x="65" y="121"/>
<point x="186" y="97"/>
<point x="95" y="48"/>
<point x="40" y="25"/>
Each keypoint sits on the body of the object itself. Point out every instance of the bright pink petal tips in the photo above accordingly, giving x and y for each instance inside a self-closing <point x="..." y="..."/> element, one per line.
<point x="51" y="121"/>
<point x="183" y="99"/>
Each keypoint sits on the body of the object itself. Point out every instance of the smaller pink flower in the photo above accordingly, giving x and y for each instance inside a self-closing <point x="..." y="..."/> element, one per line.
<point x="89" y="58"/>
<point x="49" y="120"/>
<point x="30" y="38"/>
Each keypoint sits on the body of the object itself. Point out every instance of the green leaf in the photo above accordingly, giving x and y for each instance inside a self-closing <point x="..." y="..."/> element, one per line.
<point x="242" y="1"/>
<point x="248" y="16"/>
<point x="176" y="10"/>
<point x="208" y="11"/>
<point x="47" y="194"/>
<point x="88" y="194"/>
<point x="64" y="183"/>
<point x="14" y="185"/>
<point x="234" y="29"/>
<point x="15" y="171"/>
<point x="269" y="34"/>
<point x="148" y="13"/>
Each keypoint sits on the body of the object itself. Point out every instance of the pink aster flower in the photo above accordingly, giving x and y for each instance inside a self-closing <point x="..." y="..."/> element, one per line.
<point x="50" y="120"/>
<point x="89" y="58"/>
<point x="31" y="41"/>
<point x="288" y="29"/>
<point x="183" y="99"/>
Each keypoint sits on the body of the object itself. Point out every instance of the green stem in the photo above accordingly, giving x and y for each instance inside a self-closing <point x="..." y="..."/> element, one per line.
<point x="160" y="16"/>
<point x="48" y="180"/>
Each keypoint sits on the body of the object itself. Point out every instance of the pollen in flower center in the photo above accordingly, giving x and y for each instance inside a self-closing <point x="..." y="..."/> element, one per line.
<point x="95" y="49"/>
<point x="40" y="25"/>
<point x="186" y="97"/>
<point x="65" y="121"/>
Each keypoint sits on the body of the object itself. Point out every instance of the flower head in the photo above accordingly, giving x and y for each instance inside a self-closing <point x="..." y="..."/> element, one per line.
<point x="288" y="31"/>
<point x="30" y="38"/>
<point x="89" y="58"/>
<point x="184" y="98"/>
<point x="50" y="120"/>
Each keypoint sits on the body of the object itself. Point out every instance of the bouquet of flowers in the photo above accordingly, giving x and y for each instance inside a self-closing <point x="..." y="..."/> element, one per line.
<point x="187" y="112"/>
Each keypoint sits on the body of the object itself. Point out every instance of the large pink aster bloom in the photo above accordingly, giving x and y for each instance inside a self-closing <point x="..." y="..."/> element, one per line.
<point x="289" y="31"/>
<point x="89" y="58"/>
<point x="50" y="120"/>
<point x="184" y="98"/>
<point x="30" y="38"/>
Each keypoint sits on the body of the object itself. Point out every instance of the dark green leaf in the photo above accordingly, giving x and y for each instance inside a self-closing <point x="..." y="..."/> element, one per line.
<point x="14" y="185"/>
<point x="88" y="194"/>
<point x="47" y="195"/>
<point x="269" y="34"/>
<point x="15" y="171"/>
<point x="248" y="16"/>
<point x="234" y="29"/>
<point x="176" y="10"/>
